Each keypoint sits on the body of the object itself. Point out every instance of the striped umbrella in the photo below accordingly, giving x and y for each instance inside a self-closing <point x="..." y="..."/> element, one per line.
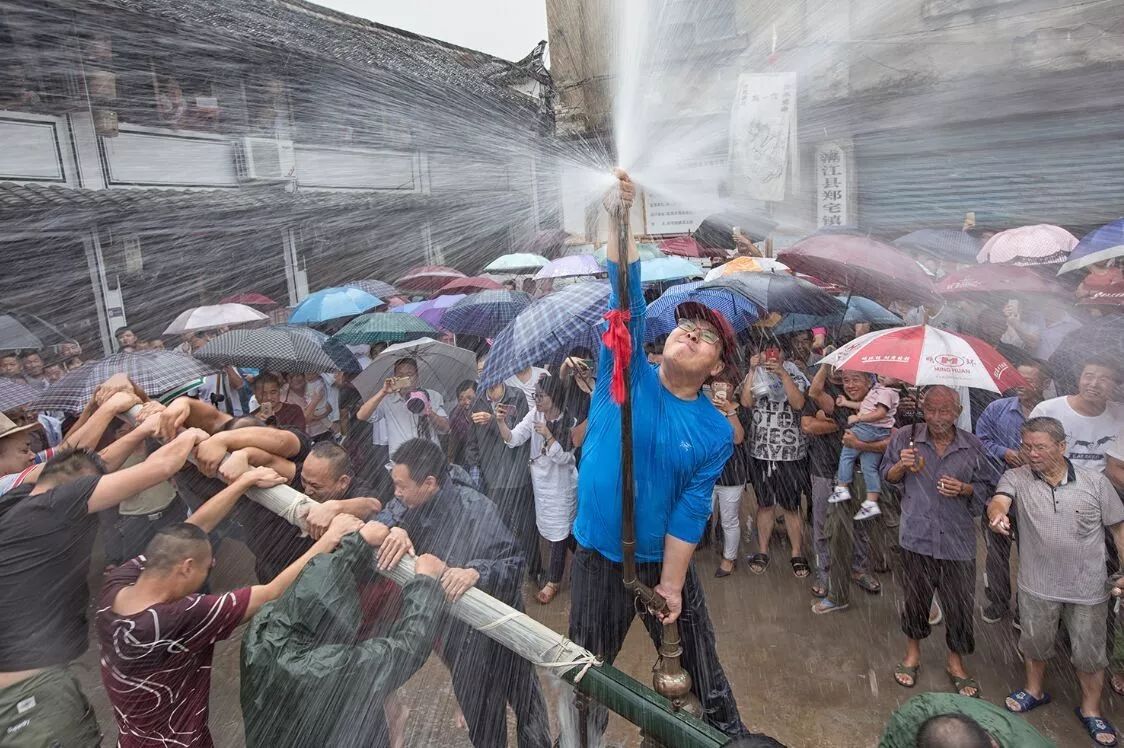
<point x="384" y="327"/>
<point x="548" y="330"/>
<point x="155" y="372"/>
<point x="486" y="313"/>
<point x="739" y="311"/>
<point x="279" y="348"/>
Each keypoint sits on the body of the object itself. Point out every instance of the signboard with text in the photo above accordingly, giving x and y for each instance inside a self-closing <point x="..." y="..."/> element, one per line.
<point x="831" y="185"/>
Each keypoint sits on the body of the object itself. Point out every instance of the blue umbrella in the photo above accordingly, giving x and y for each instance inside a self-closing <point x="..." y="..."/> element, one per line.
<point x="484" y="313"/>
<point x="739" y="311"/>
<point x="944" y="244"/>
<point x="547" y="330"/>
<point x="859" y="309"/>
<point x="333" y="303"/>
<point x="1098" y="245"/>
<point x="668" y="268"/>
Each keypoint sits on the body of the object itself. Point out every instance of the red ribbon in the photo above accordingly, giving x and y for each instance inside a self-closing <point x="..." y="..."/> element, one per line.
<point x="618" y="340"/>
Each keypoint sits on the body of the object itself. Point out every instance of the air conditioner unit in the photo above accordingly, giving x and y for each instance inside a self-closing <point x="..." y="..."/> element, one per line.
<point x="265" y="160"/>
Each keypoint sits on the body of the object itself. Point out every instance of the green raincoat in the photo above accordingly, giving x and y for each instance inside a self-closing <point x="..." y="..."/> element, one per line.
<point x="1010" y="730"/>
<point x="306" y="680"/>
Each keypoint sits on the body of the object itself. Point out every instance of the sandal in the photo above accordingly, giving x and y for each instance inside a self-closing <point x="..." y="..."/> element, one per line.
<point x="800" y="567"/>
<point x="819" y="590"/>
<point x="867" y="582"/>
<point x="1022" y="701"/>
<point x="1097" y="726"/>
<point x="1116" y="683"/>
<point x="827" y="605"/>
<point x="965" y="684"/>
<point x="758" y="563"/>
<point x="547" y="593"/>
<point x="906" y="671"/>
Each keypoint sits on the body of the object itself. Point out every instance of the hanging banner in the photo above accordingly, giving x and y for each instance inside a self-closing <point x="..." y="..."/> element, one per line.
<point x="831" y="185"/>
<point x="762" y="134"/>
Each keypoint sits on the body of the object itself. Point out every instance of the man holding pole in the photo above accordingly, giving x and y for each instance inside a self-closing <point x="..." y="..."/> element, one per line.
<point x="680" y="445"/>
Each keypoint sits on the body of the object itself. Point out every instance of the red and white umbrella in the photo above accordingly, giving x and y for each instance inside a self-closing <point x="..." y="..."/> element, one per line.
<point x="923" y="355"/>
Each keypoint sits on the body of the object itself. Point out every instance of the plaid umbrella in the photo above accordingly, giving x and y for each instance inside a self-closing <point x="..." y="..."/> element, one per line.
<point x="739" y="311"/>
<point x="485" y="313"/>
<point x="155" y="372"/>
<point x="943" y="244"/>
<point x="15" y="394"/>
<point x="14" y="336"/>
<point x="374" y="287"/>
<point x="441" y="366"/>
<point x="384" y="327"/>
<point x="279" y="348"/>
<point x="548" y="330"/>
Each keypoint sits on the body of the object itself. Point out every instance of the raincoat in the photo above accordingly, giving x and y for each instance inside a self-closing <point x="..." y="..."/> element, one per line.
<point x="1009" y="730"/>
<point x="306" y="680"/>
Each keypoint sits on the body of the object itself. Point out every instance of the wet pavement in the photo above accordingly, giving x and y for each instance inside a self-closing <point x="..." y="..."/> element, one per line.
<point x="807" y="680"/>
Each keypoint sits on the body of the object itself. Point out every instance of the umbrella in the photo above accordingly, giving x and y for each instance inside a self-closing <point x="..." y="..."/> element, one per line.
<point x="1098" y="245"/>
<point x="687" y="246"/>
<point x="15" y="394"/>
<point x="427" y="278"/>
<point x="1109" y="294"/>
<point x="996" y="280"/>
<point x="548" y="330"/>
<point x="571" y="266"/>
<point x="943" y="244"/>
<point x="748" y="265"/>
<point x="374" y="287"/>
<point x="717" y="230"/>
<point x="645" y="250"/>
<point x="739" y="311"/>
<point x="250" y="299"/>
<point x="333" y="303"/>
<point x="923" y="355"/>
<point x="431" y="310"/>
<point x="210" y="317"/>
<point x="859" y="309"/>
<point x="484" y="314"/>
<point x="519" y="262"/>
<point x="774" y="292"/>
<point x="384" y="327"/>
<point x="1103" y="338"/>
<point x="441" y="366"/>
<point x="862" y="265"/>
<point x="470" y="285"/>
<point x="1040" y="244"/>
<point x="155" y="372"/>
<point x="14" y="336"/>
<point x="668" y="268"/>
<point x="548" y="243"/>
<point x="279" y="348"/>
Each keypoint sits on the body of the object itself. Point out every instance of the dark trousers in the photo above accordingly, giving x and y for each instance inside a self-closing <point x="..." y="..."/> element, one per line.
<point x="601" y="613"/>
<point x="131" y="533"/>
<point x="956" y="582"/>
<point x="517" y="510"/>
<point x="558" y="549"/>
<point x="486" y="678"/>
<point x="997" y="567"/>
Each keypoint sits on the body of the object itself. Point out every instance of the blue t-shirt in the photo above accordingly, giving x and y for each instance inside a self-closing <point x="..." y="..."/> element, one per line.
<point x="679" y="450"/>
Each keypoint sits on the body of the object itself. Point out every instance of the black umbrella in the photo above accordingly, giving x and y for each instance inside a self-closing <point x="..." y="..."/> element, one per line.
<point x="279" y="348"/>
<point x="15" y="394"/>
<point x="1103" y="338"/>
<point x="717" y="230"/>
<point x="155" y="372"/>
<point x="777" y="292"/>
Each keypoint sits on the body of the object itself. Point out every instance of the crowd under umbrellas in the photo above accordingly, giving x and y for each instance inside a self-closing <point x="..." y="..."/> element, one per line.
<point x="520" y="343"/>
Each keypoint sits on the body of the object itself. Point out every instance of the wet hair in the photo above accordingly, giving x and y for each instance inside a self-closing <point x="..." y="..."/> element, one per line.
<point x="554" y="388"/>
<point x="173" y="544"/>
<point x="1102" y="361"/>
<point x="29" y="354"/>
<point x="403" y="361"/>
<point x="938" y="389"/>
<point x="581" y="352"/>
<point x="952" y="731"/>
<point x="1052" y="427"/>
<point x="422" y="458"/>
<point x="69" y="464"/>
<point x="467" y="384"/>
<point x="335" y="455"/>
<point x="122" y="330"/>
<point x="267" y="378"/>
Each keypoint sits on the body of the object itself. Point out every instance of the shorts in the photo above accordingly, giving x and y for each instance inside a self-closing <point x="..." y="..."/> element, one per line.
<point x="1087" y="626"/>
<point x="47" y="709"/>
<point x="780" y="483"/>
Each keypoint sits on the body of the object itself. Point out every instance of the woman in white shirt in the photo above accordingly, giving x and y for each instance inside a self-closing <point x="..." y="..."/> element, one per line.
<point x="554" y="473"/>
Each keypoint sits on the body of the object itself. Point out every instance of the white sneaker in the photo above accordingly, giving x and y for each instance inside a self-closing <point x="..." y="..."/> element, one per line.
<point x="867" y="510"/>
<point x="839" y="494"/>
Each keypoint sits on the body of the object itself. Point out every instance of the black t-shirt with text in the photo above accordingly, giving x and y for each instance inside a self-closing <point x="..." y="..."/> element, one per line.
<point x="823" y="451"/>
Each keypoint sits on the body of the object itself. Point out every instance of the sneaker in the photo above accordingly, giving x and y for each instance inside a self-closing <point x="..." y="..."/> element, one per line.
<point x="993" y="613"/>
<point x="839" y="494"/>
<point x="936" y="615"/>
<point x="867" y="510"/>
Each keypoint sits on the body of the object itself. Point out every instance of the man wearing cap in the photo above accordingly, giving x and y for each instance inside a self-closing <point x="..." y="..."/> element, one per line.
<point x="681" y="444"/>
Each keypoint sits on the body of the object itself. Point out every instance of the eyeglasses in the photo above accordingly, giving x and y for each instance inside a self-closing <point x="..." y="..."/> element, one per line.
<point x="706" y="336"/>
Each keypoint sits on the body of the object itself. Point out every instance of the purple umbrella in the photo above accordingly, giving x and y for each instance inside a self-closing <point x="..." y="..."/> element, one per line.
<point x="432" y="310"/>
<point x="570" y="267"/>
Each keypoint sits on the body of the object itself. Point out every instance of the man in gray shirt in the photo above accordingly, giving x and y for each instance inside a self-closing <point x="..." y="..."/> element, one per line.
<point x="1063" y="510"/>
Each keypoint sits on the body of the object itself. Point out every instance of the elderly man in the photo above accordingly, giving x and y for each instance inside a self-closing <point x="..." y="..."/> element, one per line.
<point x="681" y="445"/>
<point x="1063" y="510"/>
<point x="944" y="474"/>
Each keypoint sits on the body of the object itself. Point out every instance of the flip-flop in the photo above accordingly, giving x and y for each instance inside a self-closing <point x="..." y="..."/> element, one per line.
<point x="758" y="562"/>
<point x="827" y="605"/>
<point x="1023" y="701"/>
<point x="819" y="590"/>
<point x="909" y="671"/>
<point x="1097" y="726"/>
<point x="800" y="567"/>
<point x="867" y="582"/>
<point x="962" y="684"/>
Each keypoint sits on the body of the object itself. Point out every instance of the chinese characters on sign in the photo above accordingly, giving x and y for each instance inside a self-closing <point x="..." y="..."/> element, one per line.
<point x="697" y="181"/>
<point x="763" y="133"/>
<point x="831" y="185"/>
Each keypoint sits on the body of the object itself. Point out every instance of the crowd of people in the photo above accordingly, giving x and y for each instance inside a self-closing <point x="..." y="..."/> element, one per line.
<point x="513" y="484"/>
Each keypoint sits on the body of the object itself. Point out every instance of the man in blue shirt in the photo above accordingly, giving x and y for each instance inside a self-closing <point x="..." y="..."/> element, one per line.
<point x="999" y="429"/>
<point x="681" y="443"/>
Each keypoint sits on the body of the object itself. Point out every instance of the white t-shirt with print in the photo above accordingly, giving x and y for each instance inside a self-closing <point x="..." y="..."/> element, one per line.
<point x="1087" y="438"/>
